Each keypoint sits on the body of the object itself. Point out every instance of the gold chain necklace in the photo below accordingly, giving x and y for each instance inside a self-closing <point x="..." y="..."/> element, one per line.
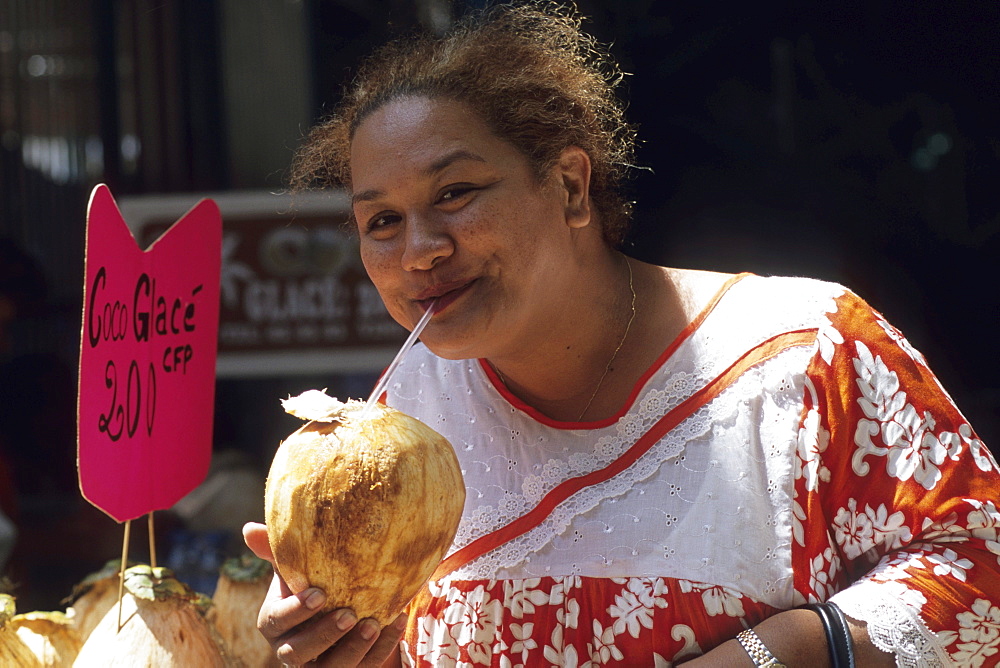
<point x="631" y="289"/>
<point x="621" y="343"/>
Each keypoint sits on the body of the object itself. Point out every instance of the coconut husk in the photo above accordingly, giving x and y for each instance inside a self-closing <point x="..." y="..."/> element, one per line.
<point x="51" y="636"/>
<point x="163" y="625"/>
<point x="13" y="651"/>
<point x="93" y="597"/>
<point x="239" y="593"/>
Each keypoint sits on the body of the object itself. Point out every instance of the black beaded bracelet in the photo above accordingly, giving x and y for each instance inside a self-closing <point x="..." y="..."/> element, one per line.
<point x="838" y="637"/>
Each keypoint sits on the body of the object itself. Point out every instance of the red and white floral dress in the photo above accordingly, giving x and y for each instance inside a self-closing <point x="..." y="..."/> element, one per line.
<point x="788" y="447"/>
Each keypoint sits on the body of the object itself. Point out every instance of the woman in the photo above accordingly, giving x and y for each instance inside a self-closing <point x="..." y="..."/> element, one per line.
<point x="656" y="459"/>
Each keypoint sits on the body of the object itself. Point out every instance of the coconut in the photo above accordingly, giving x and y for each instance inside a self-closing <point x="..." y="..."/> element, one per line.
<point x="13" y="651"/>
<point x="51" y="636"/>
<point x="163" y="625"/>
<point x="362" y="502"/>
<point x="239" y="593"/>
<point x="93" y="597"/>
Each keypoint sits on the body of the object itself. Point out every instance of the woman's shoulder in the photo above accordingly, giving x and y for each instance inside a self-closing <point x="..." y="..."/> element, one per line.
<point x="697" y="286"/>
<point x="699" y="289"/>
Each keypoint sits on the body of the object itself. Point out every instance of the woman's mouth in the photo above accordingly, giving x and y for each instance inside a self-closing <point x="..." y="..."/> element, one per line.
<point x="443" y="296"/>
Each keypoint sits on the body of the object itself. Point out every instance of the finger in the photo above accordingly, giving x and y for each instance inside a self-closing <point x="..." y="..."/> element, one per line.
<point x="387" y="643"/>
<point x="282" y="611"/>
<point x="311" y="640"/>
<point x="279" y="589"/>
<point x="350" y="650"/>
<point x="255" y="536"/>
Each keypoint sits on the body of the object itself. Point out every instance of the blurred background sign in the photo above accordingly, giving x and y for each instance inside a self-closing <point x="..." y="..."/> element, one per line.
<point x="294" y="295"/>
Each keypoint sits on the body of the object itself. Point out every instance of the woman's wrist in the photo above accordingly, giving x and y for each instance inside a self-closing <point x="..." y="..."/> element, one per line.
<point x="757" y="650"/>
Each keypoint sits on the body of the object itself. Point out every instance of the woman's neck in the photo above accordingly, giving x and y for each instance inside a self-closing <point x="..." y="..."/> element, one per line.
<point x="596" y="348"/>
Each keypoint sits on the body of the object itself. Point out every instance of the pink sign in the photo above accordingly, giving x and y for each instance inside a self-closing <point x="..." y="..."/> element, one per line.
<point x="147" y="359"/>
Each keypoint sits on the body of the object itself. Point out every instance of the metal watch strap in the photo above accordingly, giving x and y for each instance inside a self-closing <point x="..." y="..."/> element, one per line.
<point x="758" y="651"/>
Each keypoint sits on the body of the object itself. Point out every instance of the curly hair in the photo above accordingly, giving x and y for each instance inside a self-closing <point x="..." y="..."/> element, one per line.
<point x="528" y="69"/>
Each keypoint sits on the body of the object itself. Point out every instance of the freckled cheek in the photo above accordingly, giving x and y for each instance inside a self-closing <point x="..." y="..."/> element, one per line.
<point x="395" y="303"/>
<point x="487" y="230"/>
<point x="378" y="265"/>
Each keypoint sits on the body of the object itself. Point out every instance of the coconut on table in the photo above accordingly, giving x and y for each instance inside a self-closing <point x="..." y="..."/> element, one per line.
<point x="94" y="596"/>
<point x="13" y="650"/>
<point x="30" y="639"/>
<point x="240" y="591"/>
<point x="159" y="623"/>
<point x="231" y="615"/>
<point x="363" y="502"/>
<point x="51" y="636"/>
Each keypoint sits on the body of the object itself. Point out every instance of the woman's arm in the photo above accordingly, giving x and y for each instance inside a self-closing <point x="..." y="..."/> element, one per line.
<point x="796" y="638"/>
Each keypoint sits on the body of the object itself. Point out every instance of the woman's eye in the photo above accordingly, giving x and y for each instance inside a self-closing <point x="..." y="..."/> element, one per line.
<point x="455" y="192"/>
<point x="381" y="221"/>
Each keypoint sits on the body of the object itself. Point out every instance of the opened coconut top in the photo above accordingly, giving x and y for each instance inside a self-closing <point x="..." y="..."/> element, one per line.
<point x="318" y="406"/>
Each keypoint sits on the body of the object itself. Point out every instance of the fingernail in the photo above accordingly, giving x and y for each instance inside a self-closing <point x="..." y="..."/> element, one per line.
<point x="346" y="619"/>
<point x="401" y="623"/>
<point x="315" y="599"/>
<point x="369" y="629"/>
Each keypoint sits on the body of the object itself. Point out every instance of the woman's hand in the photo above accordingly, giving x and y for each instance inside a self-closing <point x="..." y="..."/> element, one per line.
<point x="300" y="635"/>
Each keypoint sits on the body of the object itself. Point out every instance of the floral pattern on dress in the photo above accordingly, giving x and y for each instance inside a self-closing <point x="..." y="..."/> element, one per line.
<point x="900" y="340"/>
<point x="984" y="521"/>
<point x="860" y="532"/>
<point x="576" y="621"/>
<point x="717" y="600"/>
<point x="634" y="607"/>
<point x="828" y="337"/>
<point x="978" y="634"/>
<point x="907" y="439"/>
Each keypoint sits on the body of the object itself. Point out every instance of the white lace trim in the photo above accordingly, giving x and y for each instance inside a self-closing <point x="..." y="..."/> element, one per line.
<point x="893" y="625"/>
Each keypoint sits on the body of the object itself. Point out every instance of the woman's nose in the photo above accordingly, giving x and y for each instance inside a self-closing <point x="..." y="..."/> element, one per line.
<point x="427" y="243"/>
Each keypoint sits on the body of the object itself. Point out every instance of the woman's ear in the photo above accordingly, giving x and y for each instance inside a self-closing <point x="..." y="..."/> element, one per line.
<point x="573" y="172"/>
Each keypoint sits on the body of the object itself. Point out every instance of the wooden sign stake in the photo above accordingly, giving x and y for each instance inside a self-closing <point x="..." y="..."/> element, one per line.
<point x="121" y="572"/>
<point x="152" y="542"/>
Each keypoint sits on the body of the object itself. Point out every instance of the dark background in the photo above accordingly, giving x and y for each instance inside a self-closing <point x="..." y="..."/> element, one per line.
<point x="858" y="144"/>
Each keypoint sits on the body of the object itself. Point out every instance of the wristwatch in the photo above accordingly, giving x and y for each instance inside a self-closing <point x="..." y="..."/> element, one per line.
<point x="759" y="653"/>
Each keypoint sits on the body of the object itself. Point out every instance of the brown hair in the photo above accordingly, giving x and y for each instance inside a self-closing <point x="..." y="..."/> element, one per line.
<point x="539" y="82"/>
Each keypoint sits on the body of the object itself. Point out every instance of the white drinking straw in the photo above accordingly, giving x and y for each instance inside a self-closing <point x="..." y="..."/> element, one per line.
<point x="383" y="382"/>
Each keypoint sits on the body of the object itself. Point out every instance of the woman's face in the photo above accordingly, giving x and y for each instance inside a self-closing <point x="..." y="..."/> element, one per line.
<point x="446" y="210"/>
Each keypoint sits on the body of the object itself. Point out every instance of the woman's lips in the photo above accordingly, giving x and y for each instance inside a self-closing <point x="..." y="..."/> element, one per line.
<point x="443" y="295"/>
